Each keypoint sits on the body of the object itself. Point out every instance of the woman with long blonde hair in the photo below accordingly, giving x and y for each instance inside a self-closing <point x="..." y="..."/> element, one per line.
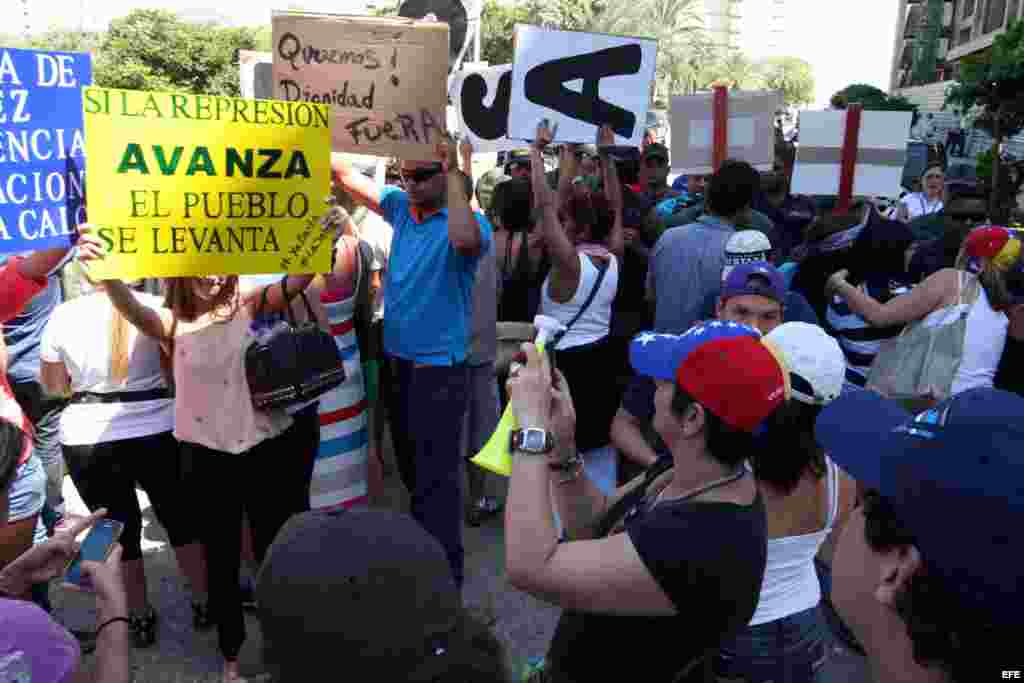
<point x="116" y="435"/>
<point x="228" y="444"/>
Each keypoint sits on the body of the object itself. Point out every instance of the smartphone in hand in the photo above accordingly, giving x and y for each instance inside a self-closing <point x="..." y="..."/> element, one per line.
<point x="96" y="547"/>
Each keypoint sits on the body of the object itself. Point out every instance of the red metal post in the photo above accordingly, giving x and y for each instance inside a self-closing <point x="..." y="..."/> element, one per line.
<point x="720" y="111"/>
<point x="848" y="162"/>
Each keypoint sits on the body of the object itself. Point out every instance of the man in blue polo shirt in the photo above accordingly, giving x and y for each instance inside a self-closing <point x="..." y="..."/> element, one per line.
<point x="437" y="243"/>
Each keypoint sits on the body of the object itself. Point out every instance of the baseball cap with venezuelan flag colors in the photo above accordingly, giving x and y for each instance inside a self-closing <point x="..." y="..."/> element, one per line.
<point x="725" y="366"/>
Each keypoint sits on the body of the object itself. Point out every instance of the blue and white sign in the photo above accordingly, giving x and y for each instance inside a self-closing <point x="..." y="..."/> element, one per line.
<point x="42" y="149"/>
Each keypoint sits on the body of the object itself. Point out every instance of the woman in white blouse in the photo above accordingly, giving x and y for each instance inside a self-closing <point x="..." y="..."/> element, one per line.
<point x="928" y="200"/>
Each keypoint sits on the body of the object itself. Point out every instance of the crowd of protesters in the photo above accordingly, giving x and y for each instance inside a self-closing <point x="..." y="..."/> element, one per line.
<point x="717" y="488"/>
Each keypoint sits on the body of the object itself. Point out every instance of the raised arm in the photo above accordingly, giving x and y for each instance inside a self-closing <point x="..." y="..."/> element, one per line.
<point x="150" y="322"/>
<point x="463" y="228"/>
<point x="612" y="189"/>
<point x="359" y="186"/>
<point x="562" y="251"/>
<point x="466" y="152"/>
<point x="919" y="302"/>
<point x="567" y="170"/>
<point x="38" y="265"/>
<point x="338" y="221"/>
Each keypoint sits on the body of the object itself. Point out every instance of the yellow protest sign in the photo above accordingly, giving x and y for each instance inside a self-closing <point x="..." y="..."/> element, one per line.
<point x="183" y="184"/>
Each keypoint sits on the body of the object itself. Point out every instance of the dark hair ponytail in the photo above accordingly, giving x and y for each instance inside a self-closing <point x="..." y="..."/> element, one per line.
<point x="789" y="447"/>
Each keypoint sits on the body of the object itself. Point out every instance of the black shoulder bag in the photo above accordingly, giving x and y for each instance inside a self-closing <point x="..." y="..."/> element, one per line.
<point x="291" y="362"/>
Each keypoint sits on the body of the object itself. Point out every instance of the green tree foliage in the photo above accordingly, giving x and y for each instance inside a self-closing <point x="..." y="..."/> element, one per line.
<point x="871" y="98"/>
<point x="792" y="76"/>
<point x="992" y="86"/>
<point x="993" y="82"/>
<point x="154" y="50"/>
<point x="498" y="24"/>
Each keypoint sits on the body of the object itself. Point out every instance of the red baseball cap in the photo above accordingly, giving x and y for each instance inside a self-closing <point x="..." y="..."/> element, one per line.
<point x="986" y="242"/>
<point x="725" y="366"/>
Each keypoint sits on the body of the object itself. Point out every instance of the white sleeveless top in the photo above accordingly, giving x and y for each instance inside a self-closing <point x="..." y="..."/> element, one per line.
<point x="790" y="582"/>
<point x="595" y="322"/>
<point x="919" y="205"/>
<point x="984" y="340"/>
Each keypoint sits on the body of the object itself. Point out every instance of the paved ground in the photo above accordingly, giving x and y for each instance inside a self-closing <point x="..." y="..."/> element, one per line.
<point x="182" y="655"/>
<point x="524" y="624"/>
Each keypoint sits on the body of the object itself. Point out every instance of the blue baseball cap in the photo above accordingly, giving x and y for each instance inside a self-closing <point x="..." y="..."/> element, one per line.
<point x="726" y="366"/>
<point x="955" y="476"/>
<point x="758" y="278"/>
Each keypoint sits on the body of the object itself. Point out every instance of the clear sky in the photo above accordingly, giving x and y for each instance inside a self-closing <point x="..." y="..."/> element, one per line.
<point x="845" y="41"/>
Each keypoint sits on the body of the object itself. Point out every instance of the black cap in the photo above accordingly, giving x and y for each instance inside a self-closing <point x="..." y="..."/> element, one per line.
<point x="369" y="588"/>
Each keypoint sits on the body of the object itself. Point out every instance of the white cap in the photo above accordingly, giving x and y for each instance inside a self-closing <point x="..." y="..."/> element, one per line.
<point x="813" y="357"/>
<point x="745" y="246"/>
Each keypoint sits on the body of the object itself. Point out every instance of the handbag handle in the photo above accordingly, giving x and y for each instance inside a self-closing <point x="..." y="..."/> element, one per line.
<point x="287" y="307"/>
<point x="305" y="301"/>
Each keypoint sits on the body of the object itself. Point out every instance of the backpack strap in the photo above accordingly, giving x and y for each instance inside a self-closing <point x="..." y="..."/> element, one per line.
<point x="630" y="499"/>
<point x="601" y="272"/>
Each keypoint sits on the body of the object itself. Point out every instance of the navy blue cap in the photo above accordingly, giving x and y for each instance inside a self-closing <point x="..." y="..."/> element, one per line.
<point x="955" y="476"/>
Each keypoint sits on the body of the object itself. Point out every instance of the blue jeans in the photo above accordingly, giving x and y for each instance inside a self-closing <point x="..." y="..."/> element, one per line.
<point x="28" y="494"/>
<point x="793" y="649"/>
<point x="428" y="404"/>
<point x="44" y="411"/>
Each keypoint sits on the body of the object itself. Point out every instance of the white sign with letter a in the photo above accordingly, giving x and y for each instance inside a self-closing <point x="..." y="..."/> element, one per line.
<point x="579" y="82"/>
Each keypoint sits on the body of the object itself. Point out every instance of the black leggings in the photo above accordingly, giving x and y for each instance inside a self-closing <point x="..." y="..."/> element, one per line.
<point x="270" y="483"/>
<point x="107" y="473"/>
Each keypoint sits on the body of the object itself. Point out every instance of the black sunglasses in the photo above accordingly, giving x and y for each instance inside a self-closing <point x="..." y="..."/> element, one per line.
<point x="420" y="175"/>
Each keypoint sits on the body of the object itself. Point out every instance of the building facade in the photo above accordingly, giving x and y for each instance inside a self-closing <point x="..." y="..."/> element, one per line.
<point x="965" y="28"/>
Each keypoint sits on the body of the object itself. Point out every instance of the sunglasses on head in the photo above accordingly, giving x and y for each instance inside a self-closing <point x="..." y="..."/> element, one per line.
<point x="419" y="175"/>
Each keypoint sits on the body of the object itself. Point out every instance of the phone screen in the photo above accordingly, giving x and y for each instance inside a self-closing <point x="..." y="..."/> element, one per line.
<point x="95" y="548"/>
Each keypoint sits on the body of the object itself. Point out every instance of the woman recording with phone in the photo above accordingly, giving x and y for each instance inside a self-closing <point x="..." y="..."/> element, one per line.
<point x="116" y="434"/>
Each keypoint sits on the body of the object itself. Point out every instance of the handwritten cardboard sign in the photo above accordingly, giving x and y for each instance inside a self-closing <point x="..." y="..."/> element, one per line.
<point x="384" y="79"/>
<point x="580" y="81"/>
<point x="481" y="99"/>
<point x="750" y="132"/>
<point x="881" y="152"/>
<point x="42" y="149"/>
<point x="201" y="184"/>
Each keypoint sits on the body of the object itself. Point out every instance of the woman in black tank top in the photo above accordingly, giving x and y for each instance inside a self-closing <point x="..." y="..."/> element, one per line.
<point x="521" y="279"/>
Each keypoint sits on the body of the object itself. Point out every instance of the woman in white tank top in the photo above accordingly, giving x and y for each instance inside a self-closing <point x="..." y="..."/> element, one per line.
<point x="985" y="256"/>
<point x="583" y="236"/>
<point x="806" y="498"/>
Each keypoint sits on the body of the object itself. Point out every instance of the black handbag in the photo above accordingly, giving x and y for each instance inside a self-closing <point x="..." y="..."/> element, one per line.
<point x="291" y="362"/>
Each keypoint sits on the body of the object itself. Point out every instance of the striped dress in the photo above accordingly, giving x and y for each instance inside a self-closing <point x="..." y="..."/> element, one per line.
<point x="340" y="474"/>
<point x="858" y="339"/>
